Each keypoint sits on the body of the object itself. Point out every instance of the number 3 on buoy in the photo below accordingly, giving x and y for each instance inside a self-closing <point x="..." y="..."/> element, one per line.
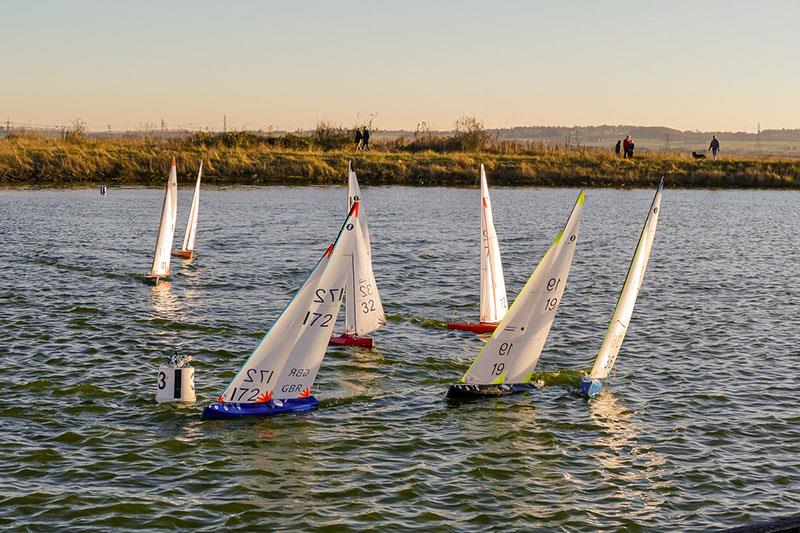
<point x="175" y="384"/>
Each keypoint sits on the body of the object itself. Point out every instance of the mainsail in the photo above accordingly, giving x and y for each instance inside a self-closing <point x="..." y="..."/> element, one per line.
<point x="630" y="290"/>
<point x="285" y="364"/>
<point x="493" y="287"/>
<point x="511" y="353"/>
<point x="191" y="225"/>
<point x="166" y="232"/>
<point x="354" y="195"/>
<point x="363" y="307"/>
<point x="173" y="189"/>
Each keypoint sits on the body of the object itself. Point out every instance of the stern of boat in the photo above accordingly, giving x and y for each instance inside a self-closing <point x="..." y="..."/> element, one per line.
<point x="474" y="327"/>
<point x="350" y="340"/>
<point x="183" y="254"/>
<point x="590" y="387"/>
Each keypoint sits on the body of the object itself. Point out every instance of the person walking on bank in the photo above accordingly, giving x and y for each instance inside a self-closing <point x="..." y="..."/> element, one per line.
<point x="365" y="135"/>
<point x="626" y="144"/>
<point x="359" y="139"/>
<point x="714" y="146"/>
<point x="618" y="148"/>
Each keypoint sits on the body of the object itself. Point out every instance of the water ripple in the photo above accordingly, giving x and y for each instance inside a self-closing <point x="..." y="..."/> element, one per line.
<point x="698" y="429"/>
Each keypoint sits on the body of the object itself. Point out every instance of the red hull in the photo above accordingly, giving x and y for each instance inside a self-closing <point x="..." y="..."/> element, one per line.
<point x="350" y="340"/>
<point x="479" y="327"/>
<point x="185" y="254"/>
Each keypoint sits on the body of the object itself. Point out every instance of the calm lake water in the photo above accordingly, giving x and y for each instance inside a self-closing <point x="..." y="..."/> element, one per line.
<point x="699" y="428"/>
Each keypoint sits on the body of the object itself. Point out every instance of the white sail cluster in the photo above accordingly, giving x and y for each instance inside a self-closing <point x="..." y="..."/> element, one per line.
<point x="493" y="302"/>
<point x="285" y="363"/>
<point x="168" y="222"/>
<point x="515" y="346"/>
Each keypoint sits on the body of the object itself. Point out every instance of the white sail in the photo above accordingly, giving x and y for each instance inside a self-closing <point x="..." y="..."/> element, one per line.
<point x="173" y="186"/>
<point x="191" y="225"/>
<point x="363" y="308"/>
<point x="493" y="286"/>
<point x="354" y="195"/>
<point x="166" y="232"/>
<point x="630" y="290"/>
<point x="511" y="353"/>
<point x="285" y="363"/>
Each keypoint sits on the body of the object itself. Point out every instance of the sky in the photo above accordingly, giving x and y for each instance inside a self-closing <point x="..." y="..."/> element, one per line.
<point x="710" y="65"/>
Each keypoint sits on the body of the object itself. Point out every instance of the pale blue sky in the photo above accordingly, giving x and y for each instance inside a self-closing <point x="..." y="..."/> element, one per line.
<point x="710" y="65"/>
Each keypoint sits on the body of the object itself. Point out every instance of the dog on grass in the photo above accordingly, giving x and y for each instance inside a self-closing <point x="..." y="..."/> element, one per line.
<point x="698" y="155"/>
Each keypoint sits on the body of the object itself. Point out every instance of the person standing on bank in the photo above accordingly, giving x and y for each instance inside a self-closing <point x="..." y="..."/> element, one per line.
<point x="626" y="144"/>
<point x="714" y="146"/>
<point x="365" y="135"/>
<point x="618" y="148"/>
<point x="359" y="139"/>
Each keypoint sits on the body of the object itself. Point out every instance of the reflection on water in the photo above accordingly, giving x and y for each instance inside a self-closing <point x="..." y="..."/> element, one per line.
<point x="165" y="303"/>
<point x="637" y="472"/>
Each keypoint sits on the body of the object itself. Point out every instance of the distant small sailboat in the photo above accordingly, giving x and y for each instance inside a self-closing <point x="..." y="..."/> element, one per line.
<point x="494" y="303"/>
<point x="278" y="376"/>
<point x="187" y="251"/>
<point x="166" y="232"/>
<point x="607" y="356"/>
<point x="506" y="362"/>
<point x="363" y="307"/>
<point x="173" y="186"/>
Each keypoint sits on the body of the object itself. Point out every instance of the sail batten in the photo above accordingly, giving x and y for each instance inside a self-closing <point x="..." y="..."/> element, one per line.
<point x="620" y="320"/>
<point x="516" y="344"/>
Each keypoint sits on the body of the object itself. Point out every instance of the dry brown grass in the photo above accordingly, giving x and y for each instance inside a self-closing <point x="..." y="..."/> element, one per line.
<point x="246" y="159"/>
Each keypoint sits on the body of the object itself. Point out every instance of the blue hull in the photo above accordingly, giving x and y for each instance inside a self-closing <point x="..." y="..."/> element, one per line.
<point x="590" y="387"/>
<point x="220" y="410"/>
<point x="464" y="391"/>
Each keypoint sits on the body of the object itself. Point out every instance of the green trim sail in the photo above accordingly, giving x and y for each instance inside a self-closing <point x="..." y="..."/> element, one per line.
<point x="515" y="346"/>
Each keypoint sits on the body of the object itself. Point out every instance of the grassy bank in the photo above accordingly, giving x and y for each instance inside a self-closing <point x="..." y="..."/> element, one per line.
<point x="33" y="161"/>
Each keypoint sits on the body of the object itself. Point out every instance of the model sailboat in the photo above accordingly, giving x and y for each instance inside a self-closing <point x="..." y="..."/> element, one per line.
<point x="493" y="305"/>
<point x="363" y="308"/>
<point x="173" y="191"/>
<point x="278" y="376"/>
<point x="187" y="250"/>
<point x="592" y="384"/>
<point x="166" y="231"/>
<point x="505" y="363"/>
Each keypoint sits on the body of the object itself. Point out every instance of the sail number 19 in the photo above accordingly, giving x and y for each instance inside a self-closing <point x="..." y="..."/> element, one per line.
<point x="553" y="284"/>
